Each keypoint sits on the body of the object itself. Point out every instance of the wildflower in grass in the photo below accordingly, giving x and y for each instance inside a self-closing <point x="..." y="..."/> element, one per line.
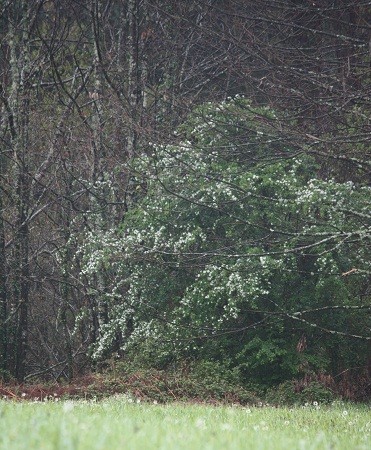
<point x="287" y="422"/>
<point x="315" y="403"/>
<point x="248" y="411"/>
<point x="68" y="406"/>
<point x="23" y="394"/>
<point x="345" y="413"/>
<point x="138" y="400"/>
<point x="200" y="423"/>
<point x="155" y="402"/>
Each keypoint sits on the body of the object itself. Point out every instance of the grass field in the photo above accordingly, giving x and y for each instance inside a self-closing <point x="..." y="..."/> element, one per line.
<point x="120" y="423"/>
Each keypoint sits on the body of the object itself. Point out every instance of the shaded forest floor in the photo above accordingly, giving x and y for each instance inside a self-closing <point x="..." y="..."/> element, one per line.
<point x="139" y="386"/>
<point x="150" y="385"/>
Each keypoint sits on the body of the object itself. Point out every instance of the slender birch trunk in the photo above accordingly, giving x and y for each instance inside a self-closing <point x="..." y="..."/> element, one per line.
<point x="99" y="200"/>
<point x="133" y="75"/>
<point x="3" y="292"/>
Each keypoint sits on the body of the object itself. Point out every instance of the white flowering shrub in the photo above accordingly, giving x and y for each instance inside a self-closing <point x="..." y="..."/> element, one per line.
<point x="235" y="238"/>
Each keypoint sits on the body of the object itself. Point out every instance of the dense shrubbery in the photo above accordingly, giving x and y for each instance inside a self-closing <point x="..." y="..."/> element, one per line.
<point x="288" y="394"/>
<point x="237" y="252"/>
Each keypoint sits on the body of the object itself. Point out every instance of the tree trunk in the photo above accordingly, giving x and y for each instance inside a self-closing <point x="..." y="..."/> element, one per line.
<point x="3" y="293"/>
<point x="20" y="67"/>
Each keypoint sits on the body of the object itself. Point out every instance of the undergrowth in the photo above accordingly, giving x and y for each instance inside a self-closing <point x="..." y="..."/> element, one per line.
<point x="198" y="382"/>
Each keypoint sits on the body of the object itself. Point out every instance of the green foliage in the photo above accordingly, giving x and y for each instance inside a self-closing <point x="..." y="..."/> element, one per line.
<point x="269" y="359"/>
<point x="287" y="393"/>
<point x="236" y="250"/>
<point x="204" y="381"/>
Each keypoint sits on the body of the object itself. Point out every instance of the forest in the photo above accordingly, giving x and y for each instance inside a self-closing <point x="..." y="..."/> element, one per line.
<point x="186" y="183"/>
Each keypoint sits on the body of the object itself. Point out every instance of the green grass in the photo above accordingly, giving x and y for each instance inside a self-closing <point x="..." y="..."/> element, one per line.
<point x="116" y="423"/>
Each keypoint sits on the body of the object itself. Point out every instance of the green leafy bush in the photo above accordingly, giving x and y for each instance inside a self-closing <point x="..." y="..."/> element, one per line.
<point x="203" y="381"/>
<point x="236" y="250"/>
<point x="288" y="393"/>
